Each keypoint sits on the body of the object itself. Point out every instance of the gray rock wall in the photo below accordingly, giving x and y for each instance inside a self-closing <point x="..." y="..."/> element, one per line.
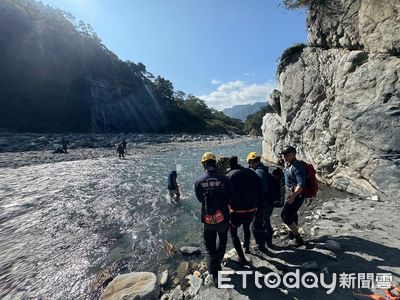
<point x="339" y="103"/>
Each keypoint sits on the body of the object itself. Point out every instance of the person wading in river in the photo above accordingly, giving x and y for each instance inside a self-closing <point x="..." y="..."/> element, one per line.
<point x="173" y="187"/>
<point x="214" y="193"/>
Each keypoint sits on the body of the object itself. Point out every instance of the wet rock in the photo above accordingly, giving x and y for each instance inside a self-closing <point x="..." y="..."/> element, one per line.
<point x="310" y="265"/>
<point x="169" y="247"/>
<point x="190" y="250"/>
<point x="103" y="277"/>
<point x="176" y="294"/>
<point x="202" y="267"/>
<point x="164" y="278"/>
<point x="195" y="285"/>
<point x="136" y="285"/>
<point x="332" y="245"/>
<point x="183" y="270"/>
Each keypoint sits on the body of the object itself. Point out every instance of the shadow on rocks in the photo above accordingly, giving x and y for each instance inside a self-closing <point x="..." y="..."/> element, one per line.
<point x="356" y="256"/>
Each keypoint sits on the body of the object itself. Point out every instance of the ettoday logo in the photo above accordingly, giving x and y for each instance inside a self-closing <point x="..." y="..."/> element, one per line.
<point x="309" y="280"/>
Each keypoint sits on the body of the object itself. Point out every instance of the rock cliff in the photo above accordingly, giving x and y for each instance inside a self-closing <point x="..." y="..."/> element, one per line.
<point x="338" y="98"/>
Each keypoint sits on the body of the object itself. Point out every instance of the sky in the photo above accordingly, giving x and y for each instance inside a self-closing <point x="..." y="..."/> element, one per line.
<point x="223" y="51"/>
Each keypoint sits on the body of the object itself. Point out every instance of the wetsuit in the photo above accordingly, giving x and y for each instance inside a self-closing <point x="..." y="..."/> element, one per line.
<point x="215" y="192"/>
<point x="173" y="190"/>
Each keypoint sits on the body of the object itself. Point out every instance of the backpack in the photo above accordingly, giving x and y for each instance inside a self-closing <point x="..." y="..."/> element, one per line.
<point x="276" y="188"/>
<point x="213" y="215"/>
<point x="311" y="188"/>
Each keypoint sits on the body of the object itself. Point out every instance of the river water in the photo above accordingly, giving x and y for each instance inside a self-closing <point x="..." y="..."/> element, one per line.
<point x="61" y="223"/>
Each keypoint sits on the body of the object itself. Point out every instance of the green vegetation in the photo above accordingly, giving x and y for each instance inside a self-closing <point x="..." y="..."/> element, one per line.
<point x="193" y="114"/>
<point x="289" y="56"/>
<point x="57" y="76"/>
<point x="253" y="123"/>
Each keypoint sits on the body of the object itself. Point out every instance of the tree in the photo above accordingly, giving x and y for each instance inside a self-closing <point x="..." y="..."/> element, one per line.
<point x="163" y="88"/>
<point x="197" y="107"/>
<point x="293" y="4"/>
<point x="253" y="122"/>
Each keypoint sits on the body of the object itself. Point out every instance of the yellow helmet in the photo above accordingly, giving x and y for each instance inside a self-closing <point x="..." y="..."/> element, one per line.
<point x="208" y="156"/>
<point x="252" y="155"/>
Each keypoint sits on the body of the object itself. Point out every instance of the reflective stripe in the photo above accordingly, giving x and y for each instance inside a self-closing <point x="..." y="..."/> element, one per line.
<point x="242" y="211"/>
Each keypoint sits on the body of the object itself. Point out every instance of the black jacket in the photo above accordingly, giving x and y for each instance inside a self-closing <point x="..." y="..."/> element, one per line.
<point x="216" y="190"/>
<point x="247" y="186"/>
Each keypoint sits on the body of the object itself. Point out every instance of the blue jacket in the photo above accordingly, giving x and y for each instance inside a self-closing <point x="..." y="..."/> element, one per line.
<point x="263" y="173"/>
<point x="295" y="175"/>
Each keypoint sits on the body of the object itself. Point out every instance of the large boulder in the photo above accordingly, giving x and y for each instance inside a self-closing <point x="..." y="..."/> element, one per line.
<point x="136" y="285"/>
<point x="340" y="104"/>
<point x="212" y="293"/>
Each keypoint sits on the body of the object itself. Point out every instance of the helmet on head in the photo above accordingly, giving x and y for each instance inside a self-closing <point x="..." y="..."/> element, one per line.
<point x="251" y="156"/>
<point x="288" y="150"/>
<point x="208" y="156"/>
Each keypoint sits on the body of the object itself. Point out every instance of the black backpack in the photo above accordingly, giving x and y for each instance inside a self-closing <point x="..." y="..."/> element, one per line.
<point x="276" y="187"/>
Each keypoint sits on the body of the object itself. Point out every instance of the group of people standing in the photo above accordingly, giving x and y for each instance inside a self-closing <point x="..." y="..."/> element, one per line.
<point x="243" y="198"/>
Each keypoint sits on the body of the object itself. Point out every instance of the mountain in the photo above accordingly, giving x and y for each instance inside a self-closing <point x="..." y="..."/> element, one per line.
<point x="242" y="111"/>
<point x="56" y="75"/>
<point x="253" y="123"/>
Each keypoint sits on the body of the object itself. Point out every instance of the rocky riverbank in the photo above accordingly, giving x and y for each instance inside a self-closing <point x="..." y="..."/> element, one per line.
<point x="355" y="235"/>
<point x="26" y="149"/>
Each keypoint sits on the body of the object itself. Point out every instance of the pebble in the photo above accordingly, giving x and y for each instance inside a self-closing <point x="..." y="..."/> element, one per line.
<point x="164" y="278"/>
<point x="190" y="250"/>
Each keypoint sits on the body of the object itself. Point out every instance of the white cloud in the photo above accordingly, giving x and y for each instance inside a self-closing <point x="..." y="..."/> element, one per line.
<point x="215" y="81"/>
<point x="249" y="74"/>
<point x="237" y="92"/>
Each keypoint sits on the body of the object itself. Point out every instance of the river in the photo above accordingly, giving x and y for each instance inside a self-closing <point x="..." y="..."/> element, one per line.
<point x="61" y="223"/>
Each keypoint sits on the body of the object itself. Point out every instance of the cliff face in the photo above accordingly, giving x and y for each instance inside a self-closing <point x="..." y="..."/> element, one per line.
<point x="338" y="99"/>
<point x="56" y="76"/>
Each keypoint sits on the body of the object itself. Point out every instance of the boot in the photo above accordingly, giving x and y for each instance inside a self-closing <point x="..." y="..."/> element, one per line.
<point x="298" y="241"/>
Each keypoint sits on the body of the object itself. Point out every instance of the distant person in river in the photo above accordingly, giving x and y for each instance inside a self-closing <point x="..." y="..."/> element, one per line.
<point x="222" y="165"/>
<point x="262" y="229"/>
<point x="247" y="186"/>
<point x="295" y="179"/>
<point x="124" y="142"/>
<point x="214" y="192"/>
<point x="64" y="144"/>
<point x="63" y="148"/>
<point x="173" y="187"/>
<point x="121" y="150"/>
